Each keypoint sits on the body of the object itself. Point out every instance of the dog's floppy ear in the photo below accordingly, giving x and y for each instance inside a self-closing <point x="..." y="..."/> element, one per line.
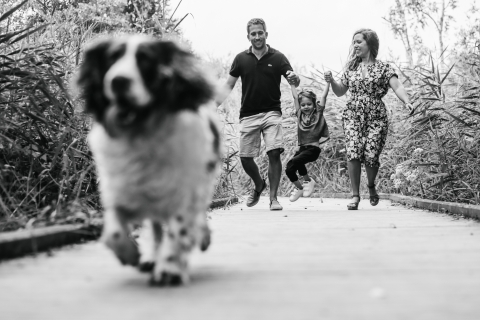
<point x="90" y="79"/>
<point x="185" y="84"/>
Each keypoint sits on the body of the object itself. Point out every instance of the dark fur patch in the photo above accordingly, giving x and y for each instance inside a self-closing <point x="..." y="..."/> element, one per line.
<point x="167" y="279"/>
<point x="126" y="214"/>
<point x="171" y="259"/>
<point x="216" y="138"/>
<point x="211" y="165"/>
<point x="95" y="65"/>
<point x="171" y="74"/>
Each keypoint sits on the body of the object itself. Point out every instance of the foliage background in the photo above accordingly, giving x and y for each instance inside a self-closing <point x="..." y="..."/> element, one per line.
<point x="433" y="154"/>
<point x="46" y="170"/>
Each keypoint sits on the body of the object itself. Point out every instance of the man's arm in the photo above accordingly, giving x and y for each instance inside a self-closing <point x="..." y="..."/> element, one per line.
<point x="225" y="90"/>
<point x="292" y="78"/>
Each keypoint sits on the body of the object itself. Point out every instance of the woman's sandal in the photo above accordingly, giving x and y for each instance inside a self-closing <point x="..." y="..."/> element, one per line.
<point x="375" y="198"/>
<point x="354" y="205"/>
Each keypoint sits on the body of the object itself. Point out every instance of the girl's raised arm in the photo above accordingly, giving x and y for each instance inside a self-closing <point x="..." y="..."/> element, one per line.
<point x="295" y="98"/>
<point x="323" y="98"/>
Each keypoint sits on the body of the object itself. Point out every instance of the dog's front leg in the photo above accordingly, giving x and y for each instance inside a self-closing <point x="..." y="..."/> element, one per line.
<point x="117" y="237"/>
<point x="171" y="266"/>
<point x="149" y="240"/>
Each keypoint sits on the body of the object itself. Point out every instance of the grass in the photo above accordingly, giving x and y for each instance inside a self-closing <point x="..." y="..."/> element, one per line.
<point x="47" y="174"/>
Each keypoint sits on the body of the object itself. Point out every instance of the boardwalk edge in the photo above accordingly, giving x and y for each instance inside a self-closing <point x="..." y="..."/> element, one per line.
<point x="19" y="243"/>
<point x="467" y="210"/>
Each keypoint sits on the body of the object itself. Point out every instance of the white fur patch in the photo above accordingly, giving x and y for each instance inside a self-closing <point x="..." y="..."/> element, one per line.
<point x="159" y="175"/>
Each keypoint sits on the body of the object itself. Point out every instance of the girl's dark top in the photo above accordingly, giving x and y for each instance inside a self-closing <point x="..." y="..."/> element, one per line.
<point x="312" y="127"/>
<point x="260" y="80"/>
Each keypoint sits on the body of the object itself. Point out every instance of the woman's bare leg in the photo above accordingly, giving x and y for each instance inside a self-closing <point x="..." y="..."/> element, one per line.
<point x="354" y="170"/>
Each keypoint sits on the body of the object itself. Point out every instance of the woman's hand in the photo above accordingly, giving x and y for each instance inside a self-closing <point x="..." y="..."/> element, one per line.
<point x="338" y="88"/>
<point x="401" y="93"/>
<point x="328" y="76"/>
<point x="410" y="107"/>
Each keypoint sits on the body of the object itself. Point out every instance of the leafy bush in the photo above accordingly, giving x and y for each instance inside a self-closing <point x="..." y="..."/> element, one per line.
<point x="47" y="173"/>
<point x="438" y="157"/>
<point x="44" y="160"/>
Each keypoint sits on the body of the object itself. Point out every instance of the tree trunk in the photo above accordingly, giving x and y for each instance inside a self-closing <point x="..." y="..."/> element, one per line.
<point x="405" y="38"/>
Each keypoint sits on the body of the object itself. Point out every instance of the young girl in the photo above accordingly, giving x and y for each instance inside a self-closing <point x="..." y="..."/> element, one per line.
<point x="311" y="128"/>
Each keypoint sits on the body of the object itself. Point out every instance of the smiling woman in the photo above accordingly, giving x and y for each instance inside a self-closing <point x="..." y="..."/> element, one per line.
<point x="365" y="119"/>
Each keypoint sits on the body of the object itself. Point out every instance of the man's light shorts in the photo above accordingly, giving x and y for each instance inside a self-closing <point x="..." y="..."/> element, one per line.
<point x="267" y="123"/>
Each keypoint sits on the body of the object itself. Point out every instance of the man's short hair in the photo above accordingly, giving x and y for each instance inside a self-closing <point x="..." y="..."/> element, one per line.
<point x="256" y="21"/>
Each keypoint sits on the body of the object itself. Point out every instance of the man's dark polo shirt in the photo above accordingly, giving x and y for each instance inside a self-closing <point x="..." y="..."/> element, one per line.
<point x="260" y="80"/>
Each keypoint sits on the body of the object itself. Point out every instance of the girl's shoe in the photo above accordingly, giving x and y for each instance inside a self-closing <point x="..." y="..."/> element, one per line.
<point x="375" y="198"/>
<point x="296" y="193"/>
<point x="308" y="187"/>
<point x="354" y="204"/>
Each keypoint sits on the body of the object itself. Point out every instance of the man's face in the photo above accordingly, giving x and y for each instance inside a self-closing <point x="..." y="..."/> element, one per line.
<point x="257" y="36"/>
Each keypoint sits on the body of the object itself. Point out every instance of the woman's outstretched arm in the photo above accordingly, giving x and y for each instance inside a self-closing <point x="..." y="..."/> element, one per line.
<point x="400" y="91"/>
<point x="338" y="88"/>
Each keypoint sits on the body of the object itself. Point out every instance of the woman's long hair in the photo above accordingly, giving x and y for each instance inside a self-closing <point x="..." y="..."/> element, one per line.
<point x="373" y="44"/>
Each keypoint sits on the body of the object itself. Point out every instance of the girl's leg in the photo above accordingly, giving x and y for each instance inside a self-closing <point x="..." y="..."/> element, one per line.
<point x="291" y="171"/>
<point x="302" y="170"/>
<point x="306" y="177"/>
<point x="298" y="185"/>
<point x="309" y="155"/>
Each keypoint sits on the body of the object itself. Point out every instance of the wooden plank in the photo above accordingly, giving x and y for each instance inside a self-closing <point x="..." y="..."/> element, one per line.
<point x="313" y="260"/>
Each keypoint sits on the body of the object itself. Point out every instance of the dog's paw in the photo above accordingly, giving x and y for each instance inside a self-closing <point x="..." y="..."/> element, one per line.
<point x="167" y="279"/>
<point x="123" y="246"/>
<point x="146" y="266"/>
<point x="206" y="240"/>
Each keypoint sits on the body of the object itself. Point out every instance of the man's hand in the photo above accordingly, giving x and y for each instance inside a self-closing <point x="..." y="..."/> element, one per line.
<point x="292" y="78"/>
<point x="223" y="92"/>
<point x="328" y="76"/>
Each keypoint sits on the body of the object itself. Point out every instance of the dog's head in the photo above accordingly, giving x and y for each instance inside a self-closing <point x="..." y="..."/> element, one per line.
<point x="127" y="81"/>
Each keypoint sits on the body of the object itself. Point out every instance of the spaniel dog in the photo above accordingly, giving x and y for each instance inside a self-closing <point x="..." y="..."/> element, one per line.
<point x="156" y="145"/>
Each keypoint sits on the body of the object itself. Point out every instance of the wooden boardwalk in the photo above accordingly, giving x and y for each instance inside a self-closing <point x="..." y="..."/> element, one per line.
<point x="313" y="260"/>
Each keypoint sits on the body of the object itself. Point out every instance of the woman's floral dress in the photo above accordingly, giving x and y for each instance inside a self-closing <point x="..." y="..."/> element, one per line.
<point x="365" y="119"/>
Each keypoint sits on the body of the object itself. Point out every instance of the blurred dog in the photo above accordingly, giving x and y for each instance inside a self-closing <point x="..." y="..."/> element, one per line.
<point x="156" y="146"/>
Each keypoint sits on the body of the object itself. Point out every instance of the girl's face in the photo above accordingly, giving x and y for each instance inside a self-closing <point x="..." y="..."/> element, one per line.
<point x="360" y="46"/>
<point x="306" y="104"/>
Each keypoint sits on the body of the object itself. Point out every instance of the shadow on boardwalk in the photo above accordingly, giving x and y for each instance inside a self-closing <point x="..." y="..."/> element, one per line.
<point x="312" y="260"/>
